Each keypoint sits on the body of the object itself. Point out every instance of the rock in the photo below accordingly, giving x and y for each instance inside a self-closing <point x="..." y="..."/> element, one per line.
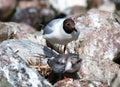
<point x="8" y="30"/>
<point x="14" y="63"/>
<point x="75" y="11"/>
<point x="104" y="5"/>
<point x="25" y="28"/>
<point x="4" y="82"/>
<point x="108" y="6"/>
<point x="28" y="49"/>
<point x="28" y="33"/>
<point x="47" y="14"/>
<point x="98" y="45"/>
<point x="70" y="83"/>
<point x="28" y="15"/>
<point x="33" y="13"/>
<point x="117" y="4"/>
<point x="23" y="4"/>
<point x="94" y="3"/>
<point x="116" y="80"/>
<point x="6" y="8"/>
<point x="61" y="6"/>
<point x="79" y="83"/>
<point x="22" y="31"/>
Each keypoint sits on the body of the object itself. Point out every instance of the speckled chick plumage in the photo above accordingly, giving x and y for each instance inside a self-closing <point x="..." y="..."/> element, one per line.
<point x="65" y="63"/>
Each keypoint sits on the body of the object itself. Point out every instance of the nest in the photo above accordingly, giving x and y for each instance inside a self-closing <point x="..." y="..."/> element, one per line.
<point x="44" y="70"/>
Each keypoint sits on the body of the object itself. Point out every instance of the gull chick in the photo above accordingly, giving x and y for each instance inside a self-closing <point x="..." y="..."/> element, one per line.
<point x="65" y="63"/>
<point x="64" y="66"/>
<point x="60" y="31"/>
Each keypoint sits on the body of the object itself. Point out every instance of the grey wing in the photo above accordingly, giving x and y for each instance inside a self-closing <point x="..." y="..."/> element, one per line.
<point x="49" y="27"/>
<point x="47" y="30"/>
<point x="56" y="67"/>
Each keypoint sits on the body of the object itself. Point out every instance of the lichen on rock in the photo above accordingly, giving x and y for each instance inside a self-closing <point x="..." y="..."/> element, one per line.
<point x="14" y="66"/>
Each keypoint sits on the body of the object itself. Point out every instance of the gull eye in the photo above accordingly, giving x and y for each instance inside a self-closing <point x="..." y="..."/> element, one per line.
<point x="67" y="24"/>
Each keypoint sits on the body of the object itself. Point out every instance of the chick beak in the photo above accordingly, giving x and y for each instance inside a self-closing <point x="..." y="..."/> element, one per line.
<point x="75" y="30"/>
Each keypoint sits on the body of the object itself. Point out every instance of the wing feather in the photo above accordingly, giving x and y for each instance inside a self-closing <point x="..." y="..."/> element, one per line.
<point x="49" y="28"/>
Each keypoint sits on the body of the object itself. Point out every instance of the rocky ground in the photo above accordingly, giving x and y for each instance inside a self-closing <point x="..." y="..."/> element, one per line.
<point x="24" y="52"/>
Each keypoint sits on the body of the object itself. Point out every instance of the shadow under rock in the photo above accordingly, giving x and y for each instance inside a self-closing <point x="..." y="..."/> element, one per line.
<point x="54" y="77"/>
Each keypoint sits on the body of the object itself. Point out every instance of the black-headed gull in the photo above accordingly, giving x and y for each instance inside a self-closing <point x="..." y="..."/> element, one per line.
<point x="60" y="31"/>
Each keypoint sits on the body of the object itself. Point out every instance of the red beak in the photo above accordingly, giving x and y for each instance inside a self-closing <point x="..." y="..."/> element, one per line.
<point x="75" y="30"/>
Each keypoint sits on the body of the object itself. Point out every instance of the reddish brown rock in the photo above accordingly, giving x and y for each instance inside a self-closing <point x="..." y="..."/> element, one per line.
<point x="94" y="3"/>
<point x="28" y="33"/>
<point x="98" y="45"/>
<point x="33" y="13"/>
<point x="6" y="8"/>
<point x="100" y="34"/>
<point x="23" y="4"/>
<point x="61" y="6"/>
<point x="22" y="31"/>
<point x="69" y="83"/>
<point x="75" y="11"/>
<point x="104" y="5"/>
<point x="26" y="28"/>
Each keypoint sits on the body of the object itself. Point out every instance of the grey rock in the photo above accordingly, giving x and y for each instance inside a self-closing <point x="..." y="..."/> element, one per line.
<point x="8" y="30"/>
<point x="14" y="65"/>
<point x="20" y="31"/>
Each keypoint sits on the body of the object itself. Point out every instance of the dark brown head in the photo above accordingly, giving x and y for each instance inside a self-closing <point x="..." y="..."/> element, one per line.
<point x="69" y="25"/>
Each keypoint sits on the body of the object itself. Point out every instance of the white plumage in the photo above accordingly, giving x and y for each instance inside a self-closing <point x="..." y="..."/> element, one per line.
<point x="54" y="32"/>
